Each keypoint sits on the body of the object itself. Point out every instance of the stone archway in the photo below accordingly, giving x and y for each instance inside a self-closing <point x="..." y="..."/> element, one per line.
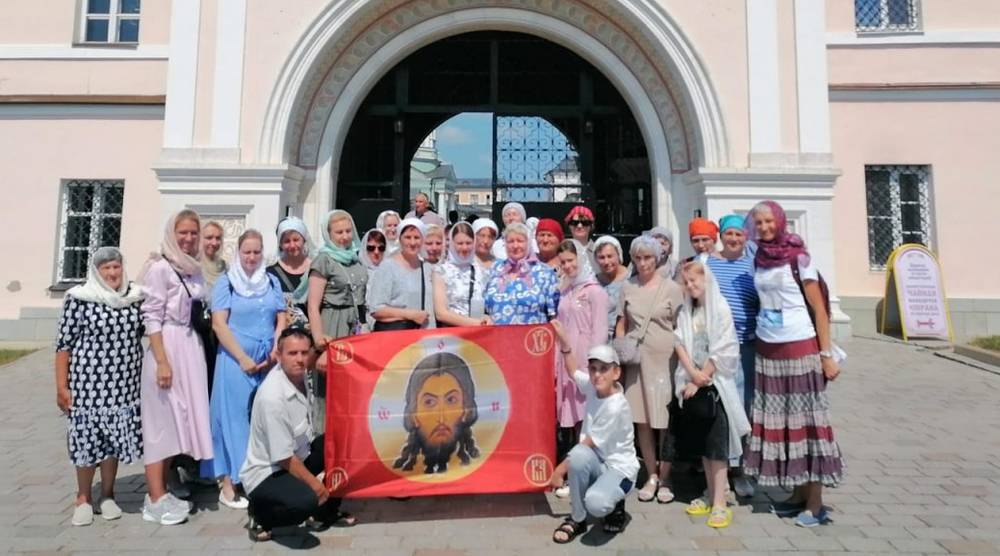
<point x="634" y="42"/>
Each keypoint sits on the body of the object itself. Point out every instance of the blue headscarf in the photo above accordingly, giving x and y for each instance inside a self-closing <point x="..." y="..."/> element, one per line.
<point x="343" y="255"/>
<point x="730" y="221"/>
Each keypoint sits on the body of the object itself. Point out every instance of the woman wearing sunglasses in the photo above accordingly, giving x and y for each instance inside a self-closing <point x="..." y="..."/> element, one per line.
<point x="374" y="246"/>
<point x="581" y="225"/>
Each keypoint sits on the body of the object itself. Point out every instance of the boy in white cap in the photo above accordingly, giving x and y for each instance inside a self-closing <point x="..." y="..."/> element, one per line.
<point x="603" y="465"/>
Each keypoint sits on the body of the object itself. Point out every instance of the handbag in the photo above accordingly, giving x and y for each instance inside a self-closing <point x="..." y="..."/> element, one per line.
<point x="201" y="316"/>
<point x="703" y="404"/>
<point x="405" y="324"/>
<point x="628" y="345"/>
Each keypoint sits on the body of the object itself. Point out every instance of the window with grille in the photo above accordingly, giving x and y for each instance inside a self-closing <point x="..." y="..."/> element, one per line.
<point x="91" y="218"/>
<point x="886" y="16"/>
<point x="110" y="21"/>
<point x="899" y="209"/>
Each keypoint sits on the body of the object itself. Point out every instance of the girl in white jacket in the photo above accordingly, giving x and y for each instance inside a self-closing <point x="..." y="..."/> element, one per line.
<point x="712" y="416"/>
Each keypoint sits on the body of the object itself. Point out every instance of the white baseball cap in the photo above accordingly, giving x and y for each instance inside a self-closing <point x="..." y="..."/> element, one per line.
<point x="603" y="353"/>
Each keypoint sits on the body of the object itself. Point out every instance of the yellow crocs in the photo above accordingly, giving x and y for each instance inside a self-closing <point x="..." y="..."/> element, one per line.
<point x="720" y="518"/>
<point x="697" y="507"/>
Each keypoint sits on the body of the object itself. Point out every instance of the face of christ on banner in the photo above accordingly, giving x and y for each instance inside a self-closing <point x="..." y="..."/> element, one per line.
<point x="439" y="415"/>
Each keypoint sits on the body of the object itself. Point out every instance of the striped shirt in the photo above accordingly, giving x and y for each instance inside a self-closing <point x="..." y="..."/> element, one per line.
<point x="735" y="280"/>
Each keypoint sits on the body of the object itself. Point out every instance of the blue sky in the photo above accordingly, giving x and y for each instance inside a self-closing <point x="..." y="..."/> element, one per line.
<point x="466" y="141"/>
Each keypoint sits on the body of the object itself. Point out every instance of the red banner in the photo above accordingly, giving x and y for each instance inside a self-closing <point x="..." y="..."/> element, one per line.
<point x="445" y="411"/>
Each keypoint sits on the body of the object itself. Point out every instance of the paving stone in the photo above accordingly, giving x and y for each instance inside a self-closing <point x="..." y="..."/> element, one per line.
<point x="970" y="547"/>
<point x="935" y="533"/>
<point x="917" y="545"/>
<point x="718" y="543"/>
<point x="952" y="521"/>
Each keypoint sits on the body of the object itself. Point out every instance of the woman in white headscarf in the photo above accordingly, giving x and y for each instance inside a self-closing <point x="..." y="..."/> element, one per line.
<point x="611" y="274"/>
<point x="292" y="268"/>
<point x="486" y="233"/>
<point x="388" y="222"/>
<point x="713" y="423"/>
<point x="459" y="282"/>
<point x="248" y="315"/>
<point x="402" y="294"/>
<point x="174" y="393"/>
<point x="513" y="213"/>
<point x="98" y="369"/>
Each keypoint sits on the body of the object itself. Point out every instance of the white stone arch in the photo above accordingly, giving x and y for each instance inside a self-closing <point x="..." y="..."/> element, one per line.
<point x="310" y="110"/>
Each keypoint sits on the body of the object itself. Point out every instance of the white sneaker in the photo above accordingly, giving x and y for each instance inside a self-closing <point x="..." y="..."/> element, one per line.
<point x="743" y="486"/>
<point x="178" y="504"/>
<point x="110" y="509"/>
<point x="562" y="492"/>
<point x="83" y="515"/>
<point x="162" y="512"/>
<point x="237" y="503"/>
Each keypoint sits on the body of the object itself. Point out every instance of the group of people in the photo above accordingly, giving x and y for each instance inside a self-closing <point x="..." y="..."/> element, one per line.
<point x="720" y="357"/>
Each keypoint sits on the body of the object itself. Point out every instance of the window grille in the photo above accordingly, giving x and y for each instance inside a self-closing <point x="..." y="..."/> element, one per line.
<point x="92" y="218"/>
<point x="886" y="16"/>
<point x="111" y="21"/>
<point x="899" y="209"/>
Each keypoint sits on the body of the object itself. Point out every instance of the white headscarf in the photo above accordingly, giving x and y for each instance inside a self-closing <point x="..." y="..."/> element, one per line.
<point x="96" y="290"/>
<point x="413" y="223"/>
<point x="294" y="224"/>
<point x="480" y="223"/>
<point x="391" y="245"/>
<point x="515" y="206"/>
<point x="664" y="259"/>
<point x="532" y="224"/>
<point x="254" y="285"/>
<point x="453" y="256"/>
<point x="610" y="240"/>
<point x="169" y="249"/>
<point x="363" y="255"/>
<point x="723" y="351"/>
<point x="584" y="272"/>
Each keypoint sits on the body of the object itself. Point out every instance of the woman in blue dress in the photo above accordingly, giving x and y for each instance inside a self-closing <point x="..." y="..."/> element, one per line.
<point x="248" y="314"/>
<point x="521" y="289"/>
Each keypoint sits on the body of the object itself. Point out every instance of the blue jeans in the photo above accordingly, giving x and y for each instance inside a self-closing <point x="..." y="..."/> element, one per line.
<point x="594" y="488"/>
<point x="745" y="381"/>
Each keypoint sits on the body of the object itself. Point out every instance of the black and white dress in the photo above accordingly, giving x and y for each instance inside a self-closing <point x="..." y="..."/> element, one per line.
<point x="104" y="377"/>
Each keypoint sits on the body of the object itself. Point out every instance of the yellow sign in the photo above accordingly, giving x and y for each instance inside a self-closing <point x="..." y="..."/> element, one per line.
<point x="915" y="302"/>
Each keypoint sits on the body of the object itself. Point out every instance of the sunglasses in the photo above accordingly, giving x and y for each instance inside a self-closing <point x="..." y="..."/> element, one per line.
<point x="373" y="248"/>
<point x="586" y="223"/>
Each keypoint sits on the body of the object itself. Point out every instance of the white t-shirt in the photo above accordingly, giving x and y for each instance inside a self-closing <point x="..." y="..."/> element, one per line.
<point x="280" y="427"/>
<point x="608" y="424"/>
<point x="783" y="315"/>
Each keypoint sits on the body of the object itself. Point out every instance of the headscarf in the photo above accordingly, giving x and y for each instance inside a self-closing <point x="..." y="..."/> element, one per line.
<point x="295" y="224"/>
<point x="481" y="223"/>
<point x="254" y="285"/>
<point x="413" y="223"/>
<point x="343" y="255"/>
<point x="532" y="224"/>
<point x="453" y="256"/>
<point x="612" y="241"/>
<point x="784" y="247"/>
<point x="584" y="271"/>
<point x="172" y="252"/>
<point x="551" y="226"/>
<point x="518" y="207"/>
<point x="579" y="210"/>
<point x="723" y="349"/>
<point x="522" y="266"/>
<point x="703" y="227"/>
<point x="212" y="267"/>
<point x="663" y="259"/>
<point x="96" y="290"/>
<point x="730" y="221"/>
<point x="363" y="255"/>
<point x="391" y="245"/>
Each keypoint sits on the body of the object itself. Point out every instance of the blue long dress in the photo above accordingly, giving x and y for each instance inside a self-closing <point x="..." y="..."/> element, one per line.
<point x="252" y="321"/>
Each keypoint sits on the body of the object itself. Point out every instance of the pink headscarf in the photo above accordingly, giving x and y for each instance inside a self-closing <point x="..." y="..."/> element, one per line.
<point x="522" y="266"/>
<point x="784" y="247"/>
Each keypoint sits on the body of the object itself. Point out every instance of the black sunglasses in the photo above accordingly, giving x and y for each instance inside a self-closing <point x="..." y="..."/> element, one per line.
<point x="373" y="248"/>
<point x="587" y="223"/>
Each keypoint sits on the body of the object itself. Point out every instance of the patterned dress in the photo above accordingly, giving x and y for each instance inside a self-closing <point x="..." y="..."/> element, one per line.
<point x="462" y="299"/>
<point x="530" y="300"/>
<point x="104" y="379"/>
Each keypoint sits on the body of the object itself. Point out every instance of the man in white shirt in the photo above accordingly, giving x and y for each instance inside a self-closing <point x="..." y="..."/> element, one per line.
<point x="284" y="456"/>
<point x="603" y="466"/>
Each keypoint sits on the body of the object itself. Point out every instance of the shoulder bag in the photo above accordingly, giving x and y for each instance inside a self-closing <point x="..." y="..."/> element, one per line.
<point x="628" y="345"/>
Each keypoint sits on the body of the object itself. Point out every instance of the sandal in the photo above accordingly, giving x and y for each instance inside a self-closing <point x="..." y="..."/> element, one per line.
<point x="720" y="518"/>
<point x="340" y="519"/>
<point x="616" y="521"/>
<point x="648" y="491"/>
<point x="664" y="495"/>
<point x="698" y="507"/>
<point x="571" y="529"/>
<point x="257" y="533"/>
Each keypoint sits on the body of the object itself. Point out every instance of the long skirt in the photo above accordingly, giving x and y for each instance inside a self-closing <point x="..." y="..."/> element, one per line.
<point x="791" y="442"/>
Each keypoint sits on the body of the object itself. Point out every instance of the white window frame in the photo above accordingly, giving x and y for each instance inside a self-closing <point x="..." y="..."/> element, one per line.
<point x="114" y="16"/>
<point x="896" y="205"/>
<point x="95" y="215"/>
<point x="883" y="27"/>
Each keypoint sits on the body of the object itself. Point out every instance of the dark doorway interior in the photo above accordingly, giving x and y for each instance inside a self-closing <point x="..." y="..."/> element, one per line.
<point x="516" y="77"/>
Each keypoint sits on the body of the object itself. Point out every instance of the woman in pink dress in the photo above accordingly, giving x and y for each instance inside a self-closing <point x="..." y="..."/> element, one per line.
<point x="583" y="313"/>
<point x="174" y="403"/>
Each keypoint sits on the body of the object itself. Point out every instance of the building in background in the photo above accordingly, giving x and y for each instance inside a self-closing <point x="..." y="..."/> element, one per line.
<point x="475" y="196"/>
<point x="433" y="177"/>
<point x="872" y="121"/>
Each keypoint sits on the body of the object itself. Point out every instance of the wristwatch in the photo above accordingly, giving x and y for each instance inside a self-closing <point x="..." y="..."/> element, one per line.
<point x="826" y="354"/>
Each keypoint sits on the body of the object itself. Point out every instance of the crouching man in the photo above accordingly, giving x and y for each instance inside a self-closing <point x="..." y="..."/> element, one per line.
<point x="284" y="456"/>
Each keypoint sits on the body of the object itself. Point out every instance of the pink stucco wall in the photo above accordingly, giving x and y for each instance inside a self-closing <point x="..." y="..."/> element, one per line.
<point x="953" y="138"/>
<point x="36" y="154"/>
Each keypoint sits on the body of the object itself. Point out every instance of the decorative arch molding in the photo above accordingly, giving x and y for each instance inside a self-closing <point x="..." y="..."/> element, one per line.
<point x="643" y="38"/>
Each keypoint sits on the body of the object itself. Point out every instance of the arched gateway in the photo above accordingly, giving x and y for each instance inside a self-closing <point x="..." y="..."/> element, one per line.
<point x="633" y="44"/>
